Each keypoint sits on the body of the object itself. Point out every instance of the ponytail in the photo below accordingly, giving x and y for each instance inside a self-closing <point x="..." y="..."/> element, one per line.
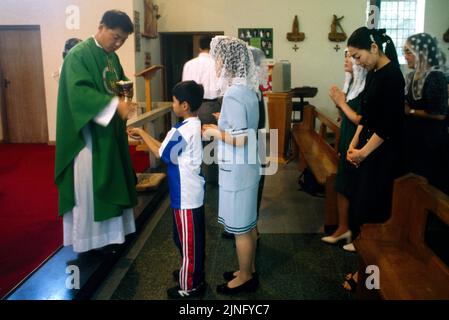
<point x="390" y="48"/>
<point x="363" y="38"/>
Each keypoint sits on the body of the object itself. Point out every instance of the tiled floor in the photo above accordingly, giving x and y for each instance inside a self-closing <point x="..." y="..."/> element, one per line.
<point x="284" y="209"/>
<point x="292" y="261"/>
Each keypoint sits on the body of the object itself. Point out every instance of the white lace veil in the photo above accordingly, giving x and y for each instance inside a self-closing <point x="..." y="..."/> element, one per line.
<point x="358" y="78"/>
<point x="428" y="58"/>
<point x="235" y="63"/>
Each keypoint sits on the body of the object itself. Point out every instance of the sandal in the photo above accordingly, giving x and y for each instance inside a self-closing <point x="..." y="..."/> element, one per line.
<point x="351" y="283"/>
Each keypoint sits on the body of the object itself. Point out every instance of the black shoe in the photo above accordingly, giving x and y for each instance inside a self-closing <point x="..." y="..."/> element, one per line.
<point x="229" y="275"/>
<point x="175" y="274"/>
<point x="227" y="235"/>
<point x="178" y="293"/>
<point x="249" y="286"/>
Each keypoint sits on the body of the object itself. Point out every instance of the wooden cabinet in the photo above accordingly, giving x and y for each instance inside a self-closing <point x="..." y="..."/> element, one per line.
<point x="279" y="115"/>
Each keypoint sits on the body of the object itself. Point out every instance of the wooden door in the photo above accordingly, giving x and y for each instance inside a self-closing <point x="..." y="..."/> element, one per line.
<point x="22" y="81"/>
<point x="176" y="49"/>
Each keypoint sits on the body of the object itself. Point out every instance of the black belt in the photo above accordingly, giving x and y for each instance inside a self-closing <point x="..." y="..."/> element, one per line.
<point x="210" y="100"/>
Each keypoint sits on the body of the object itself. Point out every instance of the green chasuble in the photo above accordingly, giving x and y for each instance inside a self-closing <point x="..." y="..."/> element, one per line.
<point x="86" y="87"/>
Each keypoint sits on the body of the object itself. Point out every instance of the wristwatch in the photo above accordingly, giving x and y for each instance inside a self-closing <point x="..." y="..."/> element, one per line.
<point x="412" y="111"/>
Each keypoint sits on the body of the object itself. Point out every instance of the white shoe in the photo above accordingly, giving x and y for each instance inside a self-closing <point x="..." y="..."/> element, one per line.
<point x="349" y="247"/>
<point x="329" y="239"/>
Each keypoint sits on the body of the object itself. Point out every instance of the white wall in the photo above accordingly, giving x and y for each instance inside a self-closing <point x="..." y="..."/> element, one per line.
<point x="51" y="16"/>
<point x="316" y="63"/>
<point x="436" y="21"/>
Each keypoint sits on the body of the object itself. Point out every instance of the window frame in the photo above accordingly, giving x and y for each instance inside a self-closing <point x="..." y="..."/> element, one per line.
<point x="394" y="32"/>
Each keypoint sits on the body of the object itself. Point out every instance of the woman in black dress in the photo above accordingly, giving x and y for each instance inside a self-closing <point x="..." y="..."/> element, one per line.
<point x="426" y="110"/>
<point x="348" y="103"/>
<point x="376" y="149"/>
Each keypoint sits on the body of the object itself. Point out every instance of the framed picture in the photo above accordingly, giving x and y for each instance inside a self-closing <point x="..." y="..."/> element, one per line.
<point x="137" y="34"/>
<point x="258" y="37"/>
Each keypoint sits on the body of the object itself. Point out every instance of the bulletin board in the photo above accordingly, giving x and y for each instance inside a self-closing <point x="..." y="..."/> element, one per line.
<point x="258" y="37"/>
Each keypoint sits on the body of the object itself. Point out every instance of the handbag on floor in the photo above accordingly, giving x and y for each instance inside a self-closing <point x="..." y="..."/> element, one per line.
<point x="308" y="183"/>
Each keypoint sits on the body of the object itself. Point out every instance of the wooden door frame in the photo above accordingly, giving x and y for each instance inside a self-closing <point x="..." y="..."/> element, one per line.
<point x="3" y="112"/>
<point x="162" y="47"/>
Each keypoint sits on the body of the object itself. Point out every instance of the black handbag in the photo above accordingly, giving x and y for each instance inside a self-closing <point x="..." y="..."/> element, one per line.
<point x="308" y="183"/>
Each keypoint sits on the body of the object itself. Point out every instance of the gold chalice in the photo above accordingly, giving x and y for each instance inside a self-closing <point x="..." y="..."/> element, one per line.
<point x="125" y="89"/>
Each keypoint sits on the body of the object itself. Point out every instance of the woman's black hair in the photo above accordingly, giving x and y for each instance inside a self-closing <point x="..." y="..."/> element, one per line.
<point x="117" y="19"/>
<point x="190" y="92"/>
<point x="69" y="44"/>
<point x="363" y="38"/>
<point x="205" y="42"/>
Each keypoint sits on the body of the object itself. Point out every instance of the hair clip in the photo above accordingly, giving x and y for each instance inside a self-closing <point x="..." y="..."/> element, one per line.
<point x="372" y="38"/>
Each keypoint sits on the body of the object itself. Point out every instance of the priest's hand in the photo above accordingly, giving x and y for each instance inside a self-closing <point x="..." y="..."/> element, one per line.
<point x="124" y="108"/>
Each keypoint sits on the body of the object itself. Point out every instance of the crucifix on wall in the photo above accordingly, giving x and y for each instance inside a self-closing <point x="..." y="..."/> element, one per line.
<point x="151" y="17"/>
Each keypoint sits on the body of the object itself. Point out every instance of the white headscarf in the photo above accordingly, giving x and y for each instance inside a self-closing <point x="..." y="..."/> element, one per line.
<point x="236" y="61"/>
<point x="428" y="58"/>
<point x="358" y="84"/>
<point x="358" y="78"/>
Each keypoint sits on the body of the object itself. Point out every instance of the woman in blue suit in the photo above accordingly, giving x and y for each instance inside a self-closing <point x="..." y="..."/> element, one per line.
<point x="239" y="168"/>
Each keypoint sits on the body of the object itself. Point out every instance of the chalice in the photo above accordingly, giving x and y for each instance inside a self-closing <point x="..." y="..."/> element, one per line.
<point x="125" y="89"/>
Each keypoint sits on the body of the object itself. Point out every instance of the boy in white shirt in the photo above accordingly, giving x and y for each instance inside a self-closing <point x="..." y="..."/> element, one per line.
<point x="181" y="150"/>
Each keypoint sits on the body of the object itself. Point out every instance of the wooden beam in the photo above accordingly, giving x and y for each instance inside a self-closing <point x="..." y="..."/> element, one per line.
<point x="147" y="74"/>
<point x="162" y="108"/>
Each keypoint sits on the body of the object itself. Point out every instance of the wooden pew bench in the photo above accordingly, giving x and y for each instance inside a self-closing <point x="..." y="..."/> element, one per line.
<point x="318" y="155"/>
<point x="408" y="267"/>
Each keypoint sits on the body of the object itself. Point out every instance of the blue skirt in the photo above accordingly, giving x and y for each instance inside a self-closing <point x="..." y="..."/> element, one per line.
<point x="237" y="210"/>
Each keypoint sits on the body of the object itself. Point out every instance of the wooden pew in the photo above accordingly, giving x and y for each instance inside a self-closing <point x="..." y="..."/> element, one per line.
<point x="408" y="268"/>
<point x="318" y="155"/>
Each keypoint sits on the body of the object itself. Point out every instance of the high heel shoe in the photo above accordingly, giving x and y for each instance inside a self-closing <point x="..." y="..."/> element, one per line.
<point x="248" y="286"/>
<point x="347" y="236"/>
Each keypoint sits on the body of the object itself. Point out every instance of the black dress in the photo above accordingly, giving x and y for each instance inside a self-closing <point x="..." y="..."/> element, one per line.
<point x="344" y="179"/>
<point x="382" y="107"/>
<point x="427" y="150"/>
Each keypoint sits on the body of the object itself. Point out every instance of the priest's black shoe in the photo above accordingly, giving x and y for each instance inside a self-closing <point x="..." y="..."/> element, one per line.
<point x="249" y="286"/>
<point x="229" y="275"/>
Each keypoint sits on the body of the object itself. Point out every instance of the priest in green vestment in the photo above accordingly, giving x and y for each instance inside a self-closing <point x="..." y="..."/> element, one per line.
<point x="93" y="170"/>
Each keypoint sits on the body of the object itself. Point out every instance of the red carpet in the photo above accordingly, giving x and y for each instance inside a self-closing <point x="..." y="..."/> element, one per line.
<point x="30" y="229"/>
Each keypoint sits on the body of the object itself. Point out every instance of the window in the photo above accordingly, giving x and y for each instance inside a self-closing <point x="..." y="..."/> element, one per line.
<point x="401" y="18"/>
